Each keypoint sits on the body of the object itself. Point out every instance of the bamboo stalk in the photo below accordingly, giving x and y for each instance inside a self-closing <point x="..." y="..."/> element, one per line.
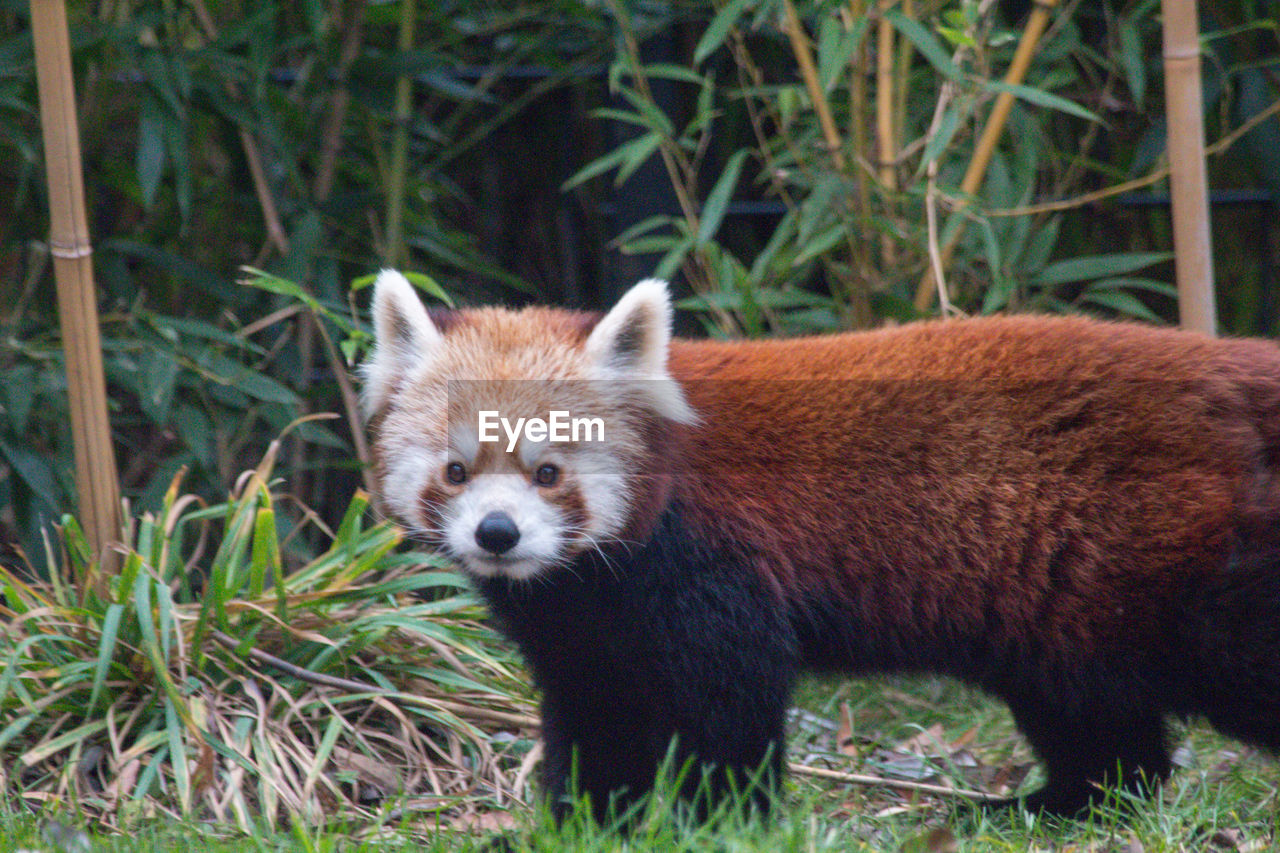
<point x="1192" y="243"/>
<point x="96" y="481"/>
<point x="399" y="168"/>
<point x="253" y="157"/>
<point x="884" y="98"/>
<point x="340" y="97"/>
<point x="886" y="149"/>
<point x="858" y="97"/>
<point x="809" y="72"/>
<point x="859" y="252"/>
<point x="902" y="74"/>
<point x="977" y="170"/>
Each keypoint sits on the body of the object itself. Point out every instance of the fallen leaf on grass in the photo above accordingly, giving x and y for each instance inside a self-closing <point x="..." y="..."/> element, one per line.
<point x="844" y="732"/>
<point x="937" y="840"/>
<point x="1227" y="839"/>
<point x="930" y="741"/>
<point x="480" y="822"/>
<point x="367" y="770"/>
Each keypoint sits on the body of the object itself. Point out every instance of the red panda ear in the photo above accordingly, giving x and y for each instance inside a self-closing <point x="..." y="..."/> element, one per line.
<point x="631" y="342"/>
<point x="404" y="335"/>
<point x="632" y="339"/>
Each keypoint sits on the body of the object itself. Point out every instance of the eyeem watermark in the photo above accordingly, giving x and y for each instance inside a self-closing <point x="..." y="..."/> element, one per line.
<point x="558" y="429"/>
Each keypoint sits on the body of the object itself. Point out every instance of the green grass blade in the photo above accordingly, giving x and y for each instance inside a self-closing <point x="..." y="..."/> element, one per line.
<point x="106" y="652"/>
<point x="175" y="730"/>
<point x="17" y="727"/>
<point x="128" y="576"/>
<point x="264" y="554"/>
<point x="67" y="739"/>
<point x="331" y="732"/>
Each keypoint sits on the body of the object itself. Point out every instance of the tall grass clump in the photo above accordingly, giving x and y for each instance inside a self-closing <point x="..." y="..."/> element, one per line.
<point x="224" y="678"/>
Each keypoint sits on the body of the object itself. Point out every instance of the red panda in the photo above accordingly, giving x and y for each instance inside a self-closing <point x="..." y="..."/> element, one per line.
<point x="1078" y="517"/>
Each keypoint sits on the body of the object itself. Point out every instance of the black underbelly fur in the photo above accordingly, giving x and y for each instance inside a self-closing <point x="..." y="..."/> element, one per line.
<point x="674" y="639"/>
<point x="634" y="648"/>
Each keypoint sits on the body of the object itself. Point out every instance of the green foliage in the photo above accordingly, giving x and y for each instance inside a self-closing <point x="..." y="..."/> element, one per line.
<point x="223" y="678"/>
<point x="218" y="135"/>
<point x="852" y="244"/>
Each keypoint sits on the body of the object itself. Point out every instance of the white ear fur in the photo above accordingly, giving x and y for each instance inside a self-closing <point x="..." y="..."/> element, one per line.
<point x="403" y="333"/>
<point x="632" y="342"/>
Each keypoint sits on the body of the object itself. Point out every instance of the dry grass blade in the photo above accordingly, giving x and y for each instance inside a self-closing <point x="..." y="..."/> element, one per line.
<point x="903" y="784"/>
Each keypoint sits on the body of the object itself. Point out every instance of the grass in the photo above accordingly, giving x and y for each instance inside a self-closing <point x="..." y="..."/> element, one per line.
<point x="228" y="674"/>
<point x="233" y="689"/>
<point x="1224" y="800"/>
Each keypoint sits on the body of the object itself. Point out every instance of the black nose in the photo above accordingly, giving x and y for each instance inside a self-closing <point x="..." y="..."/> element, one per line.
<point x="497" y="533"/>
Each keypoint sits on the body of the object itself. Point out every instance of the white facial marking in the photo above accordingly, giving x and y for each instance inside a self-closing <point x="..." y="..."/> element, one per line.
<point x="539" y="523"/>
<point x="408" y="476"/>
<point x="465" y="443"/>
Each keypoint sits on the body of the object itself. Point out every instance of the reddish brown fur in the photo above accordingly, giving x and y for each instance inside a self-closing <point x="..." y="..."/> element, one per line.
<point x="1082" y="518"/>
<point x="925" y="463"/>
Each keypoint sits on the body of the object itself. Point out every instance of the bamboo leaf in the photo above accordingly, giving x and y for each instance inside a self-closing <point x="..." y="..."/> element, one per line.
<point x="672" y="260"/>
<point x="1092" y="267"/>
<point x="420" y="280"/>
<point x="836" y="48"/>
<point x="941" y="141"/>
<point x="668" y="71"/>
<point x="718" y="199"/>
<point x="654" y="118"/>
<point x="1041" y="98"/>
<point x="1121" y="302"/>
<point x="218" y="287"/>
<point x="18" y="394"/>
<point x="718" y="30"/>
<point x="926" y="42"/>
<point x="628" y="156"/>
<point x="641" y="228"/>
<point x="1150" y="285"/>
<point x="225" y="371"/>
<point x="623" y="116"/>
<point x="1132" y="60"/>
<point x="34" y="470"/>
<point x="820" y="243"/>
<point x="150" y="159"/>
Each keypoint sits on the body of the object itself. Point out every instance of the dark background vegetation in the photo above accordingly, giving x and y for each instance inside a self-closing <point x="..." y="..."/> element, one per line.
<point x="505" y="108"/>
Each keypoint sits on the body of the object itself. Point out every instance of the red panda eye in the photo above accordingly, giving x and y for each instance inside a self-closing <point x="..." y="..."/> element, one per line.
<point x="546" y="475"/>
<point x="456" y="473"/>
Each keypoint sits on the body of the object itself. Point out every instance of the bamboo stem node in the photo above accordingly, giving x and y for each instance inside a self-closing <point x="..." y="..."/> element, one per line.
<point x="69" y="250"/>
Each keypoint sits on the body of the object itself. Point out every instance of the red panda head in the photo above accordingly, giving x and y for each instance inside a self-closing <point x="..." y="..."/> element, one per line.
<point x="515" y="440"/>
